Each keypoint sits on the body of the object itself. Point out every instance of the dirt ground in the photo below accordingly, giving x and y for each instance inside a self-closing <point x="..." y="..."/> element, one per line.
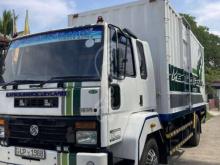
<point x="208" y="151"/>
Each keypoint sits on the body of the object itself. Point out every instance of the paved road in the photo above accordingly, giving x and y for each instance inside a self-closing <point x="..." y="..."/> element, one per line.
<point x="208" y="152"/>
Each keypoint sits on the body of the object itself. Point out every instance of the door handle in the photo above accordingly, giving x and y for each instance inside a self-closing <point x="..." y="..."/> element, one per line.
<point x="141" y="100"/>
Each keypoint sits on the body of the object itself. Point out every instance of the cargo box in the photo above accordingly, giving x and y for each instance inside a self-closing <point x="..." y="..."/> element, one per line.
<point x="178" y="56"/>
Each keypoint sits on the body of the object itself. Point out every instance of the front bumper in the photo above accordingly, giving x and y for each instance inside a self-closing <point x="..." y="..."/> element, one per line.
<point x="7" y="156"/>
<point x="53" y="131"/>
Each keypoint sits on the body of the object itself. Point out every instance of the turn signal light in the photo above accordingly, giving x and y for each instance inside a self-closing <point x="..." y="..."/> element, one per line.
<point x="2" y="122"/>
<point x="85" y="125"/>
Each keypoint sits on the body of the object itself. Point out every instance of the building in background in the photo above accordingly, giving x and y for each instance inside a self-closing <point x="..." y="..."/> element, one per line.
<point x="215" y="102"/>
<point x="216" y="85"/>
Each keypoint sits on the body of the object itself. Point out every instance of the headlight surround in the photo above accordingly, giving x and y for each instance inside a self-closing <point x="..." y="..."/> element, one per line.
<point x="86" y="137"/>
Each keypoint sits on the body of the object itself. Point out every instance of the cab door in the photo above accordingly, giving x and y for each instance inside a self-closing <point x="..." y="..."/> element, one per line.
<point x="123" y="95"/>
<point x="145" y="72"/>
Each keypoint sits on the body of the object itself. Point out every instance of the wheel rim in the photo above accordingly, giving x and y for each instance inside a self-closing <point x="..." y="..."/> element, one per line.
<point x="152" y="158"/>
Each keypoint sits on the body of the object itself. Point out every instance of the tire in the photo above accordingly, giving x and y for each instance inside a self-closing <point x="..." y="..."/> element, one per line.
<point x="150" y="155"/>
<point x="194" y="141"/>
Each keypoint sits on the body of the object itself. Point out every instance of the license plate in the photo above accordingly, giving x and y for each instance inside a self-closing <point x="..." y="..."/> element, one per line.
<point x="30" y="153"/>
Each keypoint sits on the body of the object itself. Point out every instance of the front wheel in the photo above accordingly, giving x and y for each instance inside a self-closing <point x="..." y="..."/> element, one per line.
<point x="150" y="154"/>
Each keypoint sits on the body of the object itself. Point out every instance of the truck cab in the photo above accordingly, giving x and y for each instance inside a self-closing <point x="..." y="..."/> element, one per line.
<point x="78" y="96"/>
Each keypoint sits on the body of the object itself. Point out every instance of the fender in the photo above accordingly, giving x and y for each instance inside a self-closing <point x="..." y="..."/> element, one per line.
<point x="131" y="147"/>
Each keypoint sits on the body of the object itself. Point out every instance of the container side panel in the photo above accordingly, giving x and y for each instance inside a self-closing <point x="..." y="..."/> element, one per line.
<point x="186" y="65"/>
<point x="178" y="53"/>
<point x="197" y="72"/>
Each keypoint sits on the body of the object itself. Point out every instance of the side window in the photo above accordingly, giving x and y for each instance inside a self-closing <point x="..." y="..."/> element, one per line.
<point x="142" y="61"/>
<point x="124" y="44"/>
<point x="130" y="67"/>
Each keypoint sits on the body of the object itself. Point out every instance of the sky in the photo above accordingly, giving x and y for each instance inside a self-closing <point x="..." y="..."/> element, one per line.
<point x="52" y="14"/>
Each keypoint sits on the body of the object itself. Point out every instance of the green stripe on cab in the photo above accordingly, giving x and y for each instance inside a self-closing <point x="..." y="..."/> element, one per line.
<point x="66" y="159"/>
<point x="73" y="99"/>
<point x="72" y="159"/>
<point x="77" y="98"/>
<point x="69" y="98"/>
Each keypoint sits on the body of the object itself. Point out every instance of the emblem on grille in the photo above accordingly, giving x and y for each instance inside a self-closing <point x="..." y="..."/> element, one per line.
<point x="34" y="130"/>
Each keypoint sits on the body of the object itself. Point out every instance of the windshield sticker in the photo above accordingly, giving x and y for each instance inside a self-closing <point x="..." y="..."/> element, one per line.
<point x="72" y="34"/>
<point x="89" y="43"/>
<point x="98" y="40"/>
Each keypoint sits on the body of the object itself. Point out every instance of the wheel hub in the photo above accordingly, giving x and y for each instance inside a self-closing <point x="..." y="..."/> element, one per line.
<point x="152" y="158"/>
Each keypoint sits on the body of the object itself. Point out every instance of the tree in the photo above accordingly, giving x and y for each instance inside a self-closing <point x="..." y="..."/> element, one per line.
<point x="6" y="28"/>
<point x="211" y="45"/>
<point x="6" y="23"/>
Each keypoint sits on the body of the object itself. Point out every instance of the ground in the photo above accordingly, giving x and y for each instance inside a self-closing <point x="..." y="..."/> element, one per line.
<point x="208" y="151"/>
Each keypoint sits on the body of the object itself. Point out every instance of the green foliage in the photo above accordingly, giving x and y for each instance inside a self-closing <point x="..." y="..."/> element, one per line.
<point x="6" y="28"/>
<point x="211" y="45"/>
<point x="6" y="23"/>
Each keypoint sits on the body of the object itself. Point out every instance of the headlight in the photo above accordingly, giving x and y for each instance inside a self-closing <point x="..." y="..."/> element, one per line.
<point x="2" y="128"/>
<point x="86" y="137"/>
<point x="2" y="131"/>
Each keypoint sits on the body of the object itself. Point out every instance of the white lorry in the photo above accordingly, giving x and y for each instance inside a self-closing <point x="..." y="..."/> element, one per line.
<point x="101" y="94"/>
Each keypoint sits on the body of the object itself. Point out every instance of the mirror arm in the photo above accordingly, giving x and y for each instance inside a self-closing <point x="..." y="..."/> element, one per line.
<point x="117" y="52"/>
<point x="110" y="78"/>
<point x="125" y="58"/>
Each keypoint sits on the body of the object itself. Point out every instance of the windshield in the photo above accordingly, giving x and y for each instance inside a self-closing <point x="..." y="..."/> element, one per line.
<point x="73" y="52"/>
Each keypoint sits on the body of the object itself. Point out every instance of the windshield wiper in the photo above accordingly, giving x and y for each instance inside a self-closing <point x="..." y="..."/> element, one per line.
<point x="17" y="82"/>
<point x="66" y="78"/>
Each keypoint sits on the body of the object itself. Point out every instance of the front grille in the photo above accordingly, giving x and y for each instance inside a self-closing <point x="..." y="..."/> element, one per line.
<point x="46" y="102"/>
<point x="51" y="132"/>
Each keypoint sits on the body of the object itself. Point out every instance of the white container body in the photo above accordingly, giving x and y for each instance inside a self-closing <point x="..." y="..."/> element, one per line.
<point x="177" y="55"/>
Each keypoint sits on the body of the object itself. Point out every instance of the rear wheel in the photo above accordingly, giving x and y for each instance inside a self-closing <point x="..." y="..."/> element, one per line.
<point x="150" y="154"/>
<point x="194" y="141"/>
